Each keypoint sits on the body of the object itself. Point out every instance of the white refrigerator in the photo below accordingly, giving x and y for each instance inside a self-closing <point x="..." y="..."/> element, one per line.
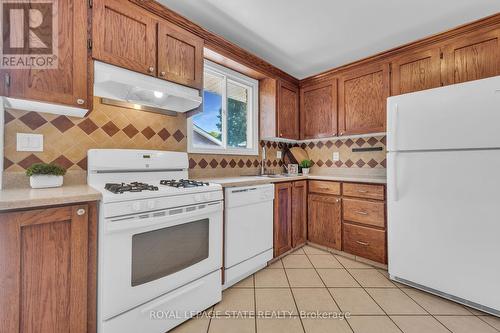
<point x="443" y="183"/>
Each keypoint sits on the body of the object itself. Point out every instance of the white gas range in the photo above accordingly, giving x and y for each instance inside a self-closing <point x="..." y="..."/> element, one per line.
<point x="160" y="240"/>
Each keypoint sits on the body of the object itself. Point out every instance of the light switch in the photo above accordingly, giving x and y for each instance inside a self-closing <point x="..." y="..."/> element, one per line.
<point x="29" y="142"/>
<point x="336" y="156"/>
<point x="278" y="154"/>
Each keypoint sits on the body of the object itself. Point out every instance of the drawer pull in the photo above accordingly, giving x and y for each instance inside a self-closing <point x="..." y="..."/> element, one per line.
<point x="360" y="212"/>
<point x="363" y="243"/>
<point x="362" y="191"/>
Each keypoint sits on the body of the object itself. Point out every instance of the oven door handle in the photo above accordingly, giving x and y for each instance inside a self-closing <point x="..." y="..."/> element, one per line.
<point x="164" y="218"/>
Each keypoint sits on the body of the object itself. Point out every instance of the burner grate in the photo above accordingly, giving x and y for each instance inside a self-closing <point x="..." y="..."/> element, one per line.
<point x="182" y="183"/>
<point x="119" y="188"/>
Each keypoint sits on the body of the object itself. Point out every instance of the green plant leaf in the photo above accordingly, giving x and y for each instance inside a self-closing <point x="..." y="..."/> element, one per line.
<point x="45" y="169"/>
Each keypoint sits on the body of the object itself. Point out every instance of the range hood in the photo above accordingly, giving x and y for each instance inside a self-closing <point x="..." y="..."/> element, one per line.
<point x="123" y="87"/>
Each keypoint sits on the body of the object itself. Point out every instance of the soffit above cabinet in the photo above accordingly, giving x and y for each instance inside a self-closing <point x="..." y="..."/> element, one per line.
<point x="307" y="37"/>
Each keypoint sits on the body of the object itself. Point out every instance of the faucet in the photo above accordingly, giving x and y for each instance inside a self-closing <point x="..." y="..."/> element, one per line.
<point x="263" y="161"/>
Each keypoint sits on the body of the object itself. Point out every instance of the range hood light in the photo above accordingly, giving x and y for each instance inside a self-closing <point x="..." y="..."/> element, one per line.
<point x="158" y="94"/>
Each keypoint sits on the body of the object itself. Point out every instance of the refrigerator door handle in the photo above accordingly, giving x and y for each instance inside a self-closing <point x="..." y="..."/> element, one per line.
<point x="394" y="174"/>
<point x="394" y="127"/>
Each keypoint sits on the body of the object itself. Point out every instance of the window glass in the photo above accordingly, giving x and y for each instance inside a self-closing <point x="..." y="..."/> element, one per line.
<point x="237" y="115"/>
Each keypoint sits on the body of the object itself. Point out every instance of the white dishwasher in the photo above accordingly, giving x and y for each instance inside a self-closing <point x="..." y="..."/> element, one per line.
<point x="248" y="231"/>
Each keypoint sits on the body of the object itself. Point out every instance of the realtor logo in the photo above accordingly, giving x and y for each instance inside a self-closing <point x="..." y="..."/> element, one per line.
<point x="29" y="31"/>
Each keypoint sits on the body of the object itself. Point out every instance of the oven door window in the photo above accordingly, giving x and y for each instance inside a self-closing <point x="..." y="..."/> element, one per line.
<point x="162" y="252"/>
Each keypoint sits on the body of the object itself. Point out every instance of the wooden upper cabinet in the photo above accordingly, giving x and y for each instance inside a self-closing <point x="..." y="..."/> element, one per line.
<point x="416" y="71"/>
<point x="324" y="220"/>
<point x="180" y="56"/>
<point x="299" y="212"/>
<point x="124" y="35"/>
<point x="288" y="111"/>
<point x="67" y="84"/>
<point x="363" y="96"/>
<point x="282" y="218"/>
<point x="318" y="110"/>
<point x="475" y="56"/>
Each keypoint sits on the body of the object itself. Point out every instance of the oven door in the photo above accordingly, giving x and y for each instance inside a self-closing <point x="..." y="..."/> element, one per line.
<point x="146" y="255"/>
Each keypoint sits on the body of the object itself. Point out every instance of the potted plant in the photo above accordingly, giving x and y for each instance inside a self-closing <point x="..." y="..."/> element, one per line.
<point x="305" y="165"/>
<point x="43" y="175"/>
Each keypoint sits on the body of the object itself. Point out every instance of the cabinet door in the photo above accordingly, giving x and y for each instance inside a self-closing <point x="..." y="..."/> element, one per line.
<point x="180" y="56"/>
<point x="362" y="100"/>
<point x="318" y="110"/>
<point x="124" y="35"/>
<point x="324" y="220"/>
<point x="67" y="84"/>
<point x="288" y="111"/>
<point x="416" y="71"/>
<point x="44" y="260"/>
<point x="473" y="57"/>
<point x="282" y="218"/>
<point x="299" y="213"/>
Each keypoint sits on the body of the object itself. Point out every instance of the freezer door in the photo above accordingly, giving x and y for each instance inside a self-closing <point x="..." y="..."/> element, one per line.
<point x="459" y="116"/>
<point x="444" y="222"/>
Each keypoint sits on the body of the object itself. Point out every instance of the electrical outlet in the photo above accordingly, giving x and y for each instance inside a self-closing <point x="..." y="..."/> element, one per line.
<point x="29" y="142"/>
<point x="278" y="154"/>
<point x="336" y="156"/>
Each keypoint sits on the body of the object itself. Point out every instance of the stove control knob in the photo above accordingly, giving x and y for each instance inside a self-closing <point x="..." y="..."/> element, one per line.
<point x="151" y="204"/>
<point x="136" y="206"/>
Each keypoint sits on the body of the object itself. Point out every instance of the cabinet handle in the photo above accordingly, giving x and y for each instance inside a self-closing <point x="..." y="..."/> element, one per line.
<point x="362" y="191"/>
<point x="151" y="69"/>
<point x="363" y="243"/>
<point x="80" y="212"/>
<point x="162" y="73"/>
<point x="80" y="101"/>
<point x="281" y="134"/>
<point x="360" y="212"/>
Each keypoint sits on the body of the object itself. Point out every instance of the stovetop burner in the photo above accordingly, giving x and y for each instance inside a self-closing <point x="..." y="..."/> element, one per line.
<point x="132" y="187"/>
<point x="182" y="183"/>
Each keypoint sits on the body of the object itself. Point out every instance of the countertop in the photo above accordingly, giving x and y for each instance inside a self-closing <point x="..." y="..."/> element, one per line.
<point x="18" y="198"/>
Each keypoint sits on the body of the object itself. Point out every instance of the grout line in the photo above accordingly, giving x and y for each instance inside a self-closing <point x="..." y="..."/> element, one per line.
<point x="254" y="303"/>
<point x="294" y="300"/>
<point x="484" y="321"/>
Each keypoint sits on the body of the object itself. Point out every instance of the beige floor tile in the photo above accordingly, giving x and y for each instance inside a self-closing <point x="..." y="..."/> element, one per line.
<point x="303" y="278"/>
<point x="386" y="274"/>
<point x="276" y="264"/>
<point x="313" y="250"/>
<point x="195" y="325"/>
<point x="275" y="325"/>
<point x="394" y="301"/>
<point x="245" y="283"/>
<point x="372" y="324"/>
<point x="314" y="300"/>
<point x="493" y="321"/>
<point x="434" y="304"/>
<point x="337" y="278"/>
<point x="371" y="278"/>
<point x="356" y="301"/>
<point x="476" y="312"/>
<point x="328" y="325"/>
<point x="271" y="278"/>
<point x="299" y="251"/>
<point x="419" y="324"/>
<point x="275" y="300"/>
<point x="296" y="261"/>
<point x="232" y="325"/>
<point x="236" y="299"/>
<point x="349" y="263"/>
<point x="465" y="324"/>
<point x="322" y="261"/>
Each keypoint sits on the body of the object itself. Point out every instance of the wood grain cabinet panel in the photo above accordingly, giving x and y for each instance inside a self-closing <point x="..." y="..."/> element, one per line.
<point x="416" y="71"/>
<point x="324" y="220"/>
<point x="180" y="56"/>
<point x="365" y="242"/>
<point x="288" y="111"/>
<point x="299" y="213"/>
<point x="368" y="191"/>
<point x="282" y="218"/>
<point x="324" y="187"/>
<point x="124" y="35"/>
<point x="66" y="84"/>
<point x="318" y="110"/>
<point x="45" y="280"/>
<point x="472" y="57"/>
<point x="364" y="211"/>
<point x="363" y="96"/>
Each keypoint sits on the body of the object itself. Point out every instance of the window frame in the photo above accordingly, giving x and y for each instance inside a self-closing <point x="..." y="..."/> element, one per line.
<point x="233" y="77"/>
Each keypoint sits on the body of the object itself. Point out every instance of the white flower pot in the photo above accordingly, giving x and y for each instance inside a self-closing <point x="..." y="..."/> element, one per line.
<point x="45" y="181"/>
<point x="305" y="171"/>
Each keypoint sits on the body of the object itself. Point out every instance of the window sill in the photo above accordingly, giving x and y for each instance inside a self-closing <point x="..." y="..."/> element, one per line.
<point x="246" y="152"/>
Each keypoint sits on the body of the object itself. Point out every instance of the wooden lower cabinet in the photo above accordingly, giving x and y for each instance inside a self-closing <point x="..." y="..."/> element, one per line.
<point x="365" y="242"/>
<point x="48" y="269"/>
<point x="290" y="216"/>
<point x="324" y="220"/>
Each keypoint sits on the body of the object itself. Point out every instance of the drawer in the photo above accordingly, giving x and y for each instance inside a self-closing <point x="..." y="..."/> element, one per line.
<point x="362" y="211"/>
<point x="324" y="187"/>
<point x="364" y="191"/>
<point x="365" y="242"/>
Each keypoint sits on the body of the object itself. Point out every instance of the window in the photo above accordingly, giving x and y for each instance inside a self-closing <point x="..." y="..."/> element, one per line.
<point x="229" y="121"/>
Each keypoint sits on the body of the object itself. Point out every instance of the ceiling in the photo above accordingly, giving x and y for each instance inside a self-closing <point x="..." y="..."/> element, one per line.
<point x="305" y="37"/>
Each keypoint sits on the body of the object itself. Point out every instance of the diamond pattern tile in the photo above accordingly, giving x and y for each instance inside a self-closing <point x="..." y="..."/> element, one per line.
<point x="110" y="128"/>
<point x="88" y="126"/>
<point x="7" y="163"/>
<point x="328" y="163"/>
<point x="62" y="123"/>
<point x="82" y="163"/>
<point x="241" y="164"/>
<point x="349" y="143"/>
<point x="372" y="163"/>
<point x="319" y="144"/>
<point x="130" y="131"/>
<point x="164" y="134"/>
<point x="275" y="163"/>
<point x="311" y="145"/>
<point x="248" y="163"/>
<point x="372" y="141"/>
<point x="223" y="163"/>
<point x="192" y="163"/>
<point x="383" y="140"/>
<point x="213" y="163"/>
<point x="383" y="163"/>
<point x="329" y="144"/>
<point x="338" y="163"/>
<point x="178" y="135"/>
<point x="303" y="145"/>
<point x="202" y="163"/>
<point x="256" y="163"/>
<point x="319" y="163"/>
<point x="360" y="142"/>
<point x="29" y="161"/>
<point x="63" y="161"/>
<point x="360" y="163"/>
<point x="148" y="132"/>
<point x="33" y="120"/>
<point x="338" y="143"/>
<point x="8" y="117"/>
<point x="349" y="163"/>
<point x="232" y="164"/>
<point x="274" y="144"/>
